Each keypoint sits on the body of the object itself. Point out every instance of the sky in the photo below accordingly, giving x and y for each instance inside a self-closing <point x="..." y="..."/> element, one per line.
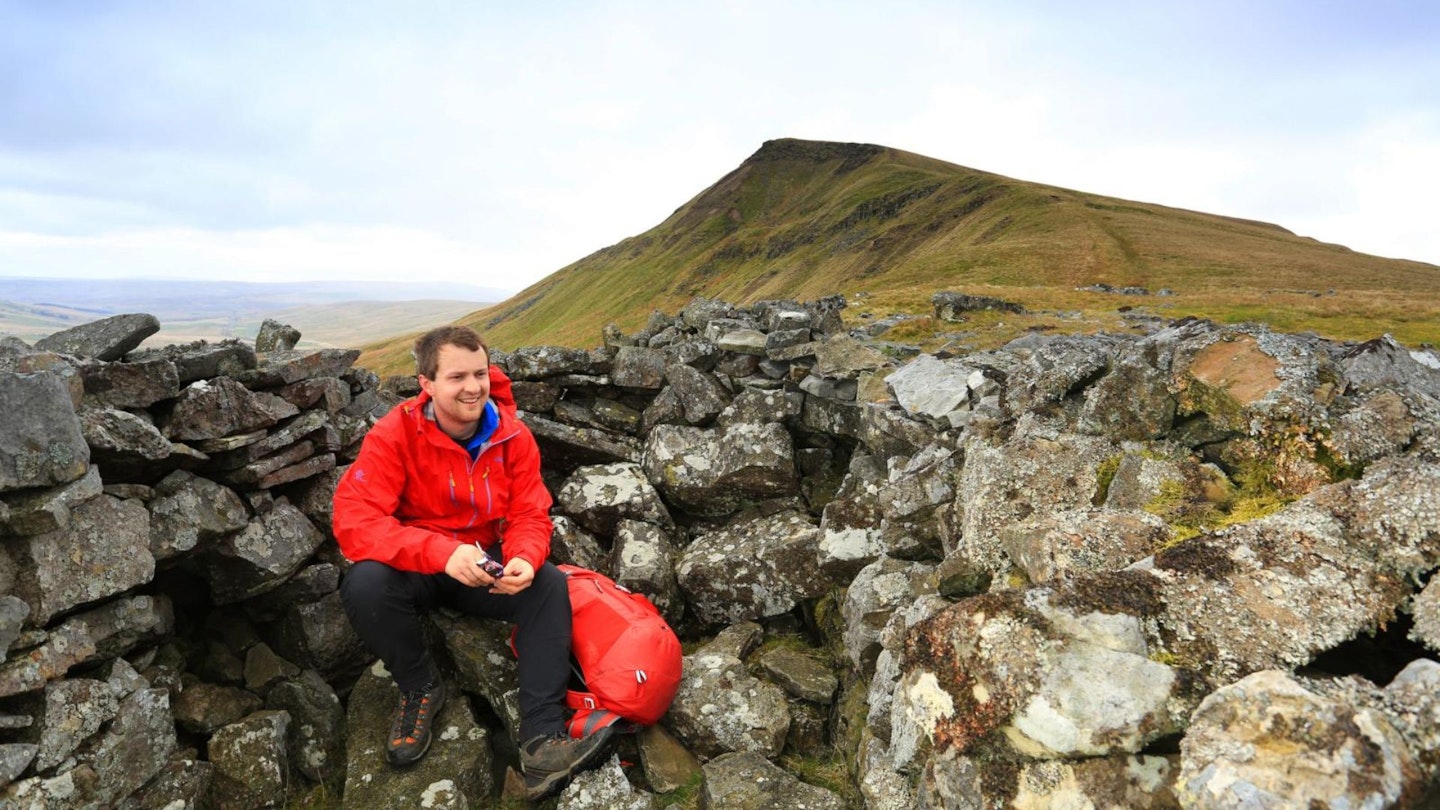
<point x="493" y="143"/>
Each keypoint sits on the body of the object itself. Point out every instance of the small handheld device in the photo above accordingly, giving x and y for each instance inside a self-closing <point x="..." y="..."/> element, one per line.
<point x="490" y="566"/>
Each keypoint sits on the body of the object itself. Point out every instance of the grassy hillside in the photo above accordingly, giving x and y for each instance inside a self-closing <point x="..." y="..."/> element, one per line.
<point x="802" y="219"/>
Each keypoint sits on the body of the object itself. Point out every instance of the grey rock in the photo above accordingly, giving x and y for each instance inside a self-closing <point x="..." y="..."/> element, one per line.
<point x="135" y="747"/>
<point x="13" y="612"/>
<point x="1138" y="782"/>
<point x="604" y="788"/>
<point x="120" y="439"/>
<point x="749" y="781"/>
<point x="317" y="635"/>
<point x="1062" y="543"/>
<point x="711" y="472"/>
<point x="315" y="740"/>
<point x="1273" y="740"/>
<point x="700" y="394"/>
<point x="534" y="397"/>
<point x="74" y="710"/>
<point x="755" y="406"/>
<point x="201" y="360"/>
<point x="776" y="340"/>
<point x="639" y="367"/>
<point x="742" y="341"/>
<point x="309" y="584"/>
<point x="274" y="336"/>
<point x="668" y="765"/>
<point x="456" y="773"/>
<point x="46" y="510"/>
<point x="910" y="503"/>
<point x="276" y="439"/>
<point x="749" y="570"/>
<point x="189" y="510"/>
<point x="598" y="497"/>
<point x="949" y="305"/>
<point x="539" y="362"/>
<point x="877" y="592"/>
<point x="251" y="762"/>
<point x="104" y="551"/>
<point x="643" y="561"/>
<point x="40" y="440"/>
<point x="801" y="674"/>
<point x="928" y="386"/>
<point x="844" y="390"/>
<point x="700" y="311"/>
<point x="265" y="670"/>
<point x="271" y="548"/>
<point x="106" y="339"/>
<point x="316" y="496"/>
<point x="180" y="785"/>
<point x="484" y="663"/>
<point x="1383" y="363"/>
<point x="14" y="759"/>
<point x="205" y="707"/>
<point x="283" y="367"/>
<point x="110" y="630"/>
<point x="564" y="446"/>
<point x="720" y="708"/>
<point x="328" y="394"/>
<point x="1058" y="368"/>
<point x="842" y="357"/>
<point x="130" y="385"/>
<point x="210" y="409"/>
<point x="570" y="543"/>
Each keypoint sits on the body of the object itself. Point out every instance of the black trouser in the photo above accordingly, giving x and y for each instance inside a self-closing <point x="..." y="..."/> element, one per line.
<point x="385" y="605"/>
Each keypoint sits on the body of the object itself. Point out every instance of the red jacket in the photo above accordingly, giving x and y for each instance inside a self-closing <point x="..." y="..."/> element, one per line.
<point x="413" y="495"/>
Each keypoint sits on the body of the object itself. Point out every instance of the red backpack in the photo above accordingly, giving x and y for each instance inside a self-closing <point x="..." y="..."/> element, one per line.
<point x="629" y="658"/>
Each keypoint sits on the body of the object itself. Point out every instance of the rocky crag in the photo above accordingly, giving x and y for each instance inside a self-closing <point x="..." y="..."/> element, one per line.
<point x="1184" y="568"/>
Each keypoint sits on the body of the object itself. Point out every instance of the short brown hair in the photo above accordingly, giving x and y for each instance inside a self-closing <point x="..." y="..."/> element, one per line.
<point x="427" y="346"/>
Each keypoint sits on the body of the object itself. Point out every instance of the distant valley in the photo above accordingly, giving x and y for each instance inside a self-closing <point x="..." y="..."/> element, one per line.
<point x="326" y="313"/>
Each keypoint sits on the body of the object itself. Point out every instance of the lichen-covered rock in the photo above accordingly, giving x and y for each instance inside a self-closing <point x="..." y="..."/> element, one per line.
<point x="603" y="788"/>
<point x="876" y="593"/>
<point x="750" y="570"/>
<point x="317" y="635"/>
<point x="40" y="440"/>
<point x="188" y="509"/>
<point x="201" y="360"/>
<point x="1062" y="543"/>
<point x="251" y="763"/>
<point x="850" y="522"/>
<point x="1032" y="473"/>
<point x="112" y="629"/>
<point x="271" y="548"/>
<point x="668" y="764"/>
<point x="572" y="544"/>
<point x="279" y="367"/>
<point x="720" y="707"/>
<point x="105" y="339"/>
<point x="598" y="496"/>
<point x="180" y="785"/>
<point x="1101" y="783"/>
<point x="121" y="437"/>
<point x="644" y="562"/>
<point x="315" y="739"/>
<point x="276" y="336"/>
<point x="712" y="472"/>
<point x="205" y="707"/>
<point x="210" y="409"/>
<point x="135" y="747"/>
<point x="748" y="781"/>
<point x="35" y="512"/>
<point x="455" y="773"/>
<point x="129" y="385"/>
<point x="1270" y="740"/>
<point x="928" y="386"/>
<point x="700" y="394"/>
<point x="911" y="500"/>
<point x="484" y="663"/>
<point x="801" y="674"/>
<point x="73" y="710"/>
<point x="539" y="362"/>
<point x="565" y="447"/>
<point x="105" y="550"/>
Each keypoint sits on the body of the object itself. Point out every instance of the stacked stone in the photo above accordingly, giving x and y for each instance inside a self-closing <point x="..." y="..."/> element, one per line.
<point x="964" y="572"/>
<point x="170" y="615"/>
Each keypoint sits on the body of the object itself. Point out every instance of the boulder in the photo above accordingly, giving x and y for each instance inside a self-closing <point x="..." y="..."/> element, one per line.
<point x="643" y="561"/>
<point x="599" y="496"/>
<point x="104" y="550"/>
<point x="455" y="773"/>
<point x="188" y="510"/>
<point x="749" y="781"/>
<point x="210" y="409"/>
<point x="73" y="711"/>
<point x="604" y="788"/>
<point x="37" y="511"/>
<point x="112" y="629"/>
<point x="105" y="339"/>
<point x="712" y="472"/>
<point x="721" y="708"/>
<point x="1059" y="544"/>
<point x="315" y="739"/>
<point x="251" y="762"/>
<point x="276" y="336"/>
<point x="201" y="360"/>
<point x="40" y="439"/>
<point x="750" y="570"/>
<point x="271" y="548"/>
<point x="283" y="367"/>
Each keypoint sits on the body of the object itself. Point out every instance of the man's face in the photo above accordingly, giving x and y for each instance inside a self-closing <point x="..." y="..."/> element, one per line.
<point x="460" y="388"/>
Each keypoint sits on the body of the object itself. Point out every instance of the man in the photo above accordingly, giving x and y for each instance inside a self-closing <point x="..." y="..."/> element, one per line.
<point x="444" y="483"/>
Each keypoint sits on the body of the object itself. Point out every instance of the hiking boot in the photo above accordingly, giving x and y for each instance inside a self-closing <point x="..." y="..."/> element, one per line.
<point x="410" y="735"/>
<point x="550" y="762"/>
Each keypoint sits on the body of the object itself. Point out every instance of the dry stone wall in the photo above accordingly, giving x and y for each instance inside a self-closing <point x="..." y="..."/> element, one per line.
<point x="1073" y="571"/>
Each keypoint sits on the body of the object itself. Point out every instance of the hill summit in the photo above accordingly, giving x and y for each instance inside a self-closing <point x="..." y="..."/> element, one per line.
<point x="806" y="219"/>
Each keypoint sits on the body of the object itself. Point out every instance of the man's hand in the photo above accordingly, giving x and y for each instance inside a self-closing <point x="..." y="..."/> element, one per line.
<point x="518" y="576"/>
<point x="464" y="567"/>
